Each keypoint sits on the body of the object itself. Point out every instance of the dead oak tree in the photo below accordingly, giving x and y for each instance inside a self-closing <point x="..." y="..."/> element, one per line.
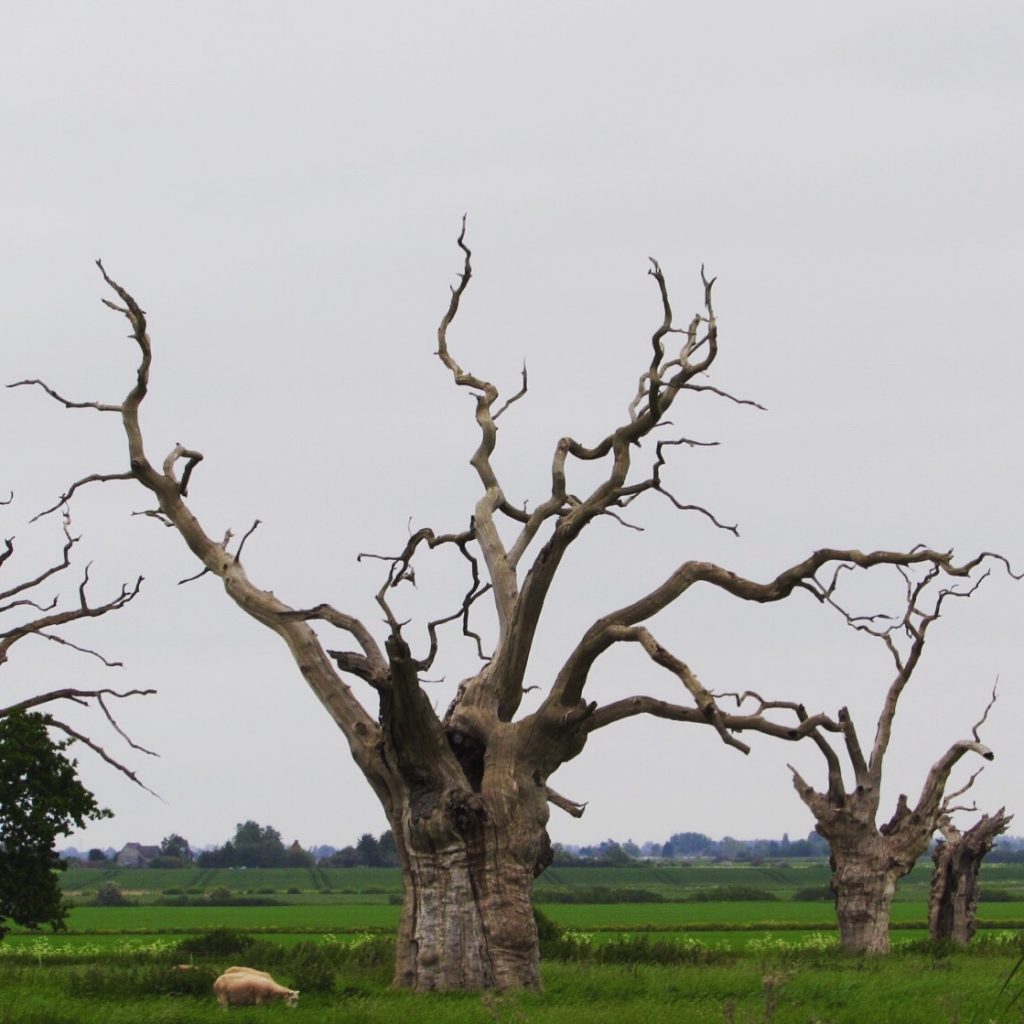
<point x="868" y="858"/>
<point x="466" y="792"/>
<point x="953" y="900"/>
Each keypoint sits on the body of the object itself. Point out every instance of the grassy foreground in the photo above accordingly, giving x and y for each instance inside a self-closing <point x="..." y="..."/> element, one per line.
<point x="911" y="989"/>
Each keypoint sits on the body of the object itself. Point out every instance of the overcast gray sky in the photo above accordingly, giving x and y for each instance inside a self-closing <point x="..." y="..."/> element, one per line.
<point x="280" y="186"/>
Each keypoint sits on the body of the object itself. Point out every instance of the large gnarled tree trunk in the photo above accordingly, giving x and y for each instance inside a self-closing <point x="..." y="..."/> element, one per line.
<point x="467" y="919"/>
<point x="953" y="900"/>
<point x="467" y="793"/>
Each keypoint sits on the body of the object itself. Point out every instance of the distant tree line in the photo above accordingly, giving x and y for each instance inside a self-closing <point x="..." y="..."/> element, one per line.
<point x="688" y="845"/>
<point x="261" y="846"/>
<point x="256" y="846"/>
<point x="367" y="853"/>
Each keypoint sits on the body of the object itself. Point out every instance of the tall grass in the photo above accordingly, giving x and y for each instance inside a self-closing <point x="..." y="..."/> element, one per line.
<point x="911" y="989"/>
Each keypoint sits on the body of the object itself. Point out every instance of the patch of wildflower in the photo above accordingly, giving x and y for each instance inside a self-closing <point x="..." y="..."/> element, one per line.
<point x="42" y="950"/>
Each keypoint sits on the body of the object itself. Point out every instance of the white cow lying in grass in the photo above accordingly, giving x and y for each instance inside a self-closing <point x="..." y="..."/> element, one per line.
<point x="245" y="986"/>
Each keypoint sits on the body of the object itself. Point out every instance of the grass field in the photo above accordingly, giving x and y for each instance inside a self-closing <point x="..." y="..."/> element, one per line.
<point x="338" y="880"/>
<point x="740" y="962"/>
<point x="624" y="917"/>
<point x="909" y="990"/>
<point x="672" y="882"/>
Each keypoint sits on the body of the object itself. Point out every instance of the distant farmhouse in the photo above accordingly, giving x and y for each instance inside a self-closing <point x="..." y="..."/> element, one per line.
<point x="134" y="855"/>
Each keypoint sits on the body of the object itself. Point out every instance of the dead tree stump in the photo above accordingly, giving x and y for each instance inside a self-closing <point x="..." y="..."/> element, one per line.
<point x="954" y="894"/>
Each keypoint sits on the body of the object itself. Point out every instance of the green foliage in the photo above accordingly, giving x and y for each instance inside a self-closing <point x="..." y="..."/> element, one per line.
<point x="989" y="894"/>
<point x="254" y="846"/>
<point x="313" y="966"/>
<point x="166" y="863"/>
<point x="814" y="893"/>
<point x="109" y="895"/>
<point x="174" y="846"/>
<point x="547" y="930"/>
<point x="115" y="981"/>
<point x="216" y="942"/>
<point x="734" y="893"/>
<point x="368" y="852"/>
<point x="601" y="894"/>
<point x="833" y="989"/>
<point x="376" y="951"/>
<point x="41" y="798"/>
<point x="643" y="950"/>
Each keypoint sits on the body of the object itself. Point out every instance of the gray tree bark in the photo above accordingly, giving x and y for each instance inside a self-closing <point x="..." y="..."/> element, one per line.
<point x="953" y="901"/>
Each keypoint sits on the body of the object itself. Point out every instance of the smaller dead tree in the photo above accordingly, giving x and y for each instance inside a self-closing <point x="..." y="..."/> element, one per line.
<point x="953" y="901"/>
<point x="867" y="859"/>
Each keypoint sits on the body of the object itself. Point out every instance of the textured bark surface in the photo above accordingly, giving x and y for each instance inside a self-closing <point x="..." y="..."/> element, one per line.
<point x="864" y="881"/>
<point x="953" y="901"/>
<point x="467" y="793"/>
<point x="467" y="922"/>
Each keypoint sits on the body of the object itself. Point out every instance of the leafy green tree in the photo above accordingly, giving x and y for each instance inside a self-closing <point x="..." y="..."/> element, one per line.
<point x="41" y="798"/>
<point x="369" y="851"/>
<point x="258" y="846"/>
<point x="253" y="846"/>
<point x="687" y="844"/>
<point x="219" y="857"/>
<point x="109" y="895"/>
<point x="346" y="857"/>
<point x="387" y="848"/>
<point x="96" y="856"/>
<point x="296" y="857"/>
<point x="174" y="846"/>
<point x="615" y="854"/>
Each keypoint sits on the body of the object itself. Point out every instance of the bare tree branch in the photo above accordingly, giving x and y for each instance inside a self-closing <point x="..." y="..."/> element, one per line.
<point x="113" y="762"/>
<point x="92" y="478"/>
<point x="47" y="626"/>
<point x="564" y="803"/>
<point x="98" y="406"/>
<point x="75" y="695"/>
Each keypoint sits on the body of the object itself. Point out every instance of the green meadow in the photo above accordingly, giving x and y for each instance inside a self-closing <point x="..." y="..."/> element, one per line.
<point x="663" y="947"/>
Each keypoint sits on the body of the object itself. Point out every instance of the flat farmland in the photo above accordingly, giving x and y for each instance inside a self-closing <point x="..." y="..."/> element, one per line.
<point x="735" y="960"/>
<point x="342" y="880"/>
<point x="151" y="919"/>
<point x="670" y="882"/>
<point x="342" y="918"/>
